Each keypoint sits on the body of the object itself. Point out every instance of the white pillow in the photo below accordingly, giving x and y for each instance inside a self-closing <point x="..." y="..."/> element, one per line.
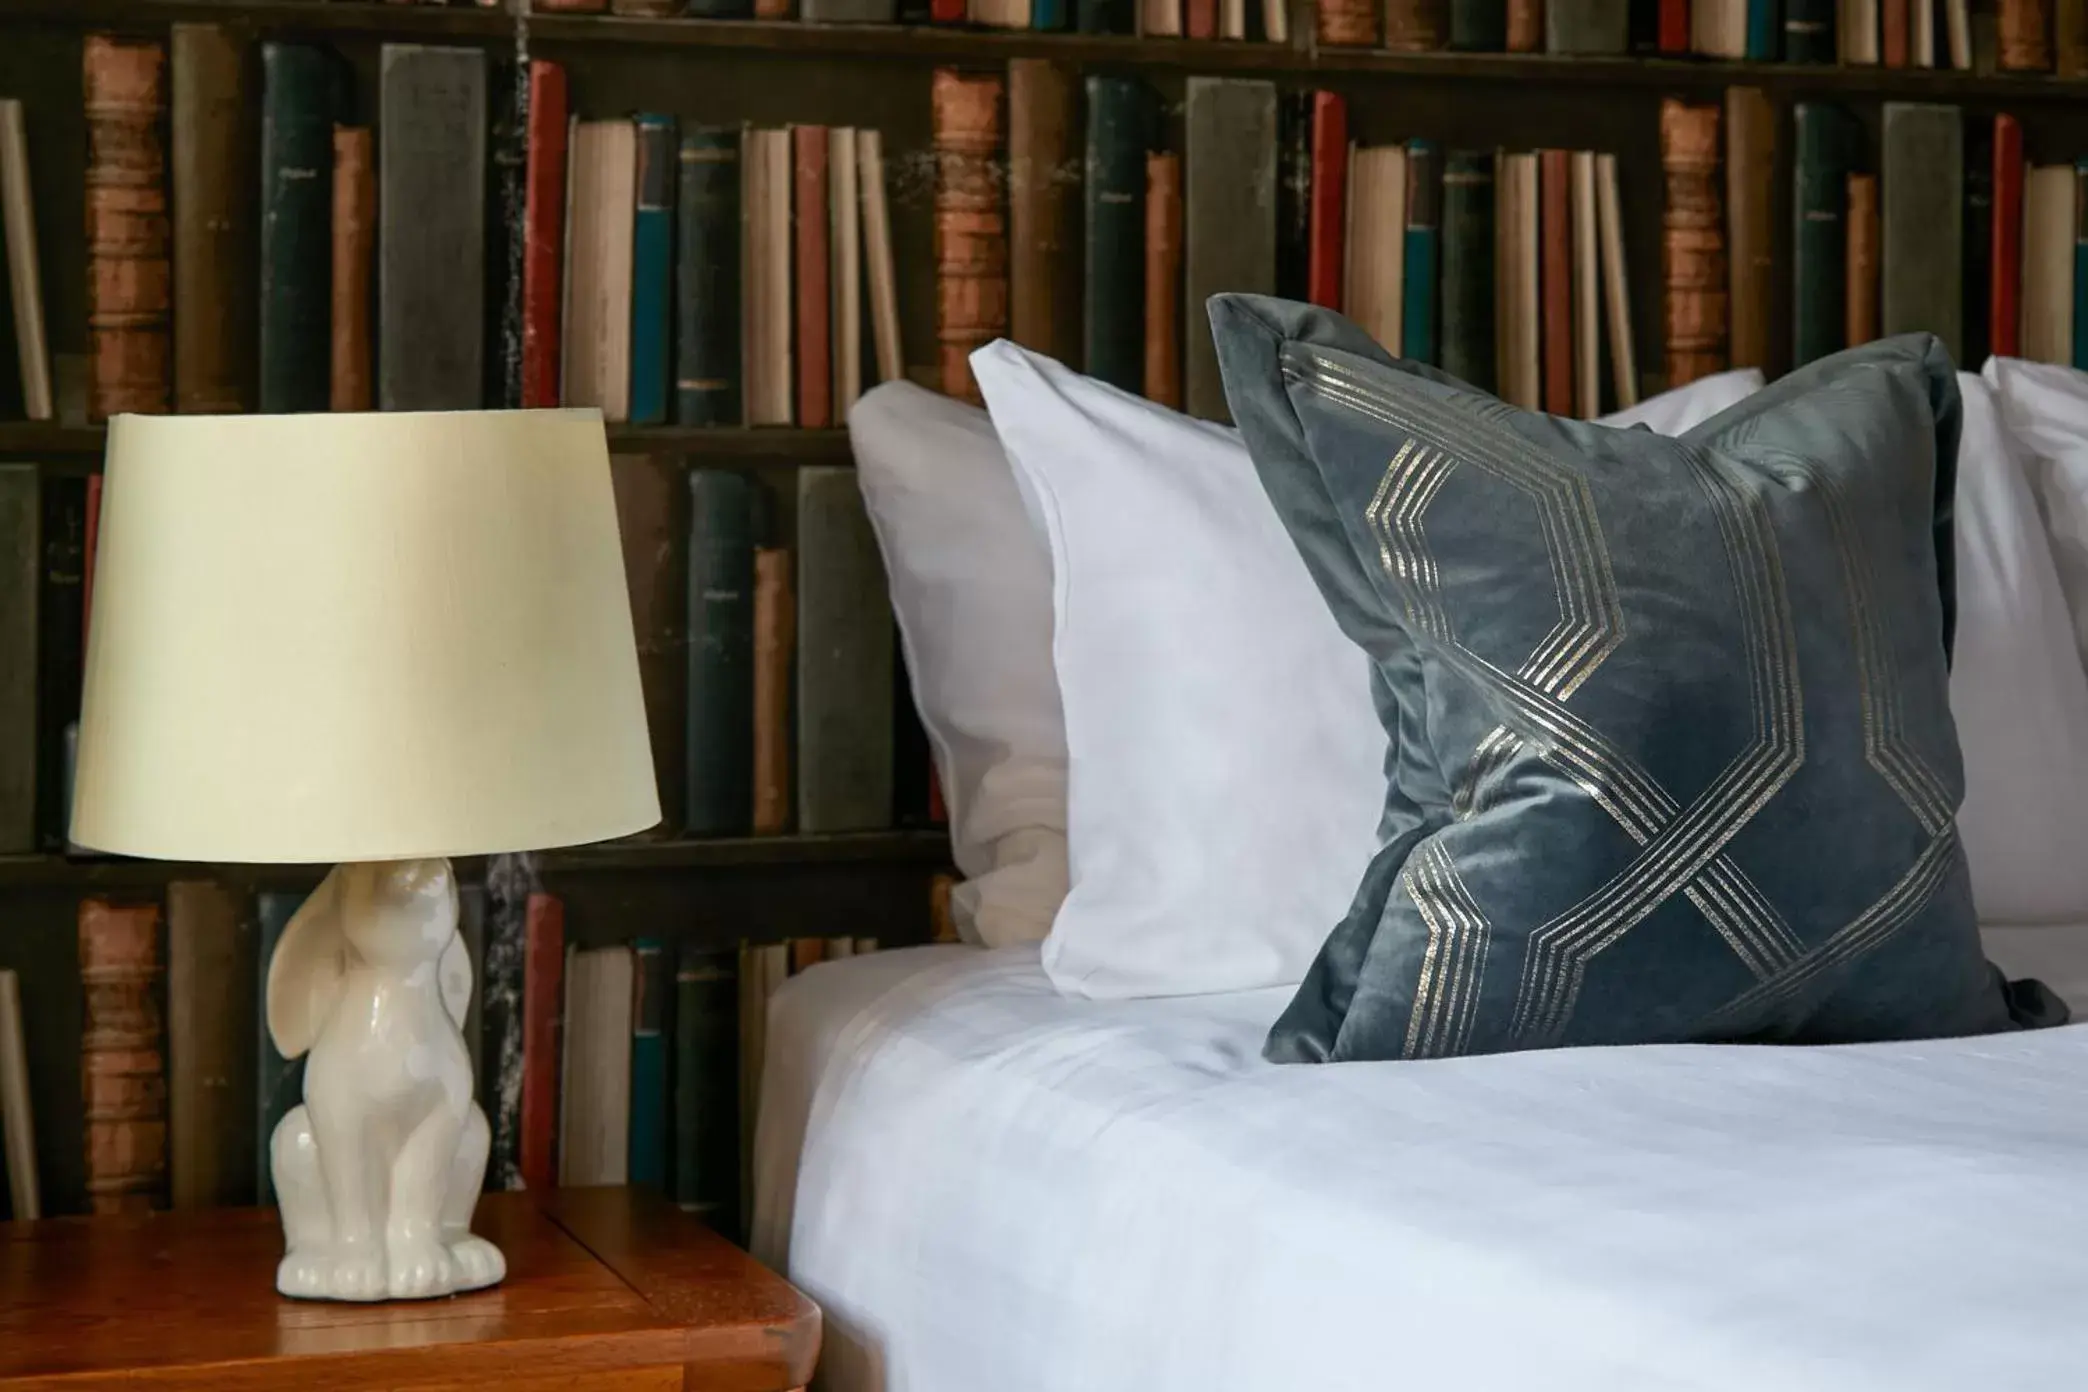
<point x="971" y="586"/>
<point x="1673" y="412"/>
<point x="2046" y="407"/>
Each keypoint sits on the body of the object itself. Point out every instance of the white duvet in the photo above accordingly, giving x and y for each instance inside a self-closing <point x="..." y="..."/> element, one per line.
<point x="990" y="1188"/>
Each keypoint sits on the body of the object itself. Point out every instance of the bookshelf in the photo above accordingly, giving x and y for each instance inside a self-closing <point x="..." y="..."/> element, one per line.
<point x="72" y="444"/>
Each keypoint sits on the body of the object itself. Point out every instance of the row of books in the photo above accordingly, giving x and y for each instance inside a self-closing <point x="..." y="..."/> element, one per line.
<point x="1262" y="20"/>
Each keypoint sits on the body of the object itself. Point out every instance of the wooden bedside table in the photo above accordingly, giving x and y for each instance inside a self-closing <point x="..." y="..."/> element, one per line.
<point x="606" y="1288"/>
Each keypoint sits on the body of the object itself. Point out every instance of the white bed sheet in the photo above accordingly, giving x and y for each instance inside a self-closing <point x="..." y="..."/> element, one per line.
<point x="989" y="1188"/>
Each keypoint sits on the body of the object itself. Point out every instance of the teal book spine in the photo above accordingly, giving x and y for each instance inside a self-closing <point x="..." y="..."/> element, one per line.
<point x="720" y="785"/>
<point x="1424" y="235"/>
<point x="1120" y="114"/>
<point x="706" y="1083"/>
<point x="652" y="995"/>
<point x="300" y="87"/>
<point x="280" y="1085"/>
<point x="1048" y="14"/>
<point x="652" y="268"/>
<point x="1764" y="31"/>
<point x="1819" y="235"/>
<point x="707" y="289"/>
<point x="1467" y="327"/>
<point x="2080" y="288"/>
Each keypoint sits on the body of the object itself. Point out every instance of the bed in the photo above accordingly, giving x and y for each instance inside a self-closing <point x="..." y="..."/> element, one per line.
<point x="989" y="1187"/>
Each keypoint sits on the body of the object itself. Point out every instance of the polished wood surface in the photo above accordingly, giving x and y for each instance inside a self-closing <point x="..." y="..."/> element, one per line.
<point x="611" y="1288"/>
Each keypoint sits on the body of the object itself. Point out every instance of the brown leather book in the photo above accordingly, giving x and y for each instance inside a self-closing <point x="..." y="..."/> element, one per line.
<point x="1044" y="224"/>
<point x="2026" y="27"/>
<point x="1416" y="26"/>
<point x="652" y="518"/>
<point x="1895" y="36"/>
<point x="775" y="639"/>
<point x="1555" y="216"/>
<point x="1863" y="259"/>
<point x="128" y="273"/>
<point x="1750" y="198"/>
<point x="1525" y="26"/>
<point x="213" y="138"/>
<point x="354" y="246"/>
<point x="123" y="1075"/>
<point x="1692" y="243"/>
<point x="815" y="387"/>
<point x="212" y="957"/>
<point x="1348" y="23"/>
<point x="971" y="226"/>
<point x="1163" y="279"/>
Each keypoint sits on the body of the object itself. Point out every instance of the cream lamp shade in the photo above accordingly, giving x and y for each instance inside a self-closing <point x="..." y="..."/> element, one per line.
<point x="359" y="637"/>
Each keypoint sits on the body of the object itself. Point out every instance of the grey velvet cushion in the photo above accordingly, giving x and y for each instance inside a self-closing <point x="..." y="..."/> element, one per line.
<point x="1671" y="750"/>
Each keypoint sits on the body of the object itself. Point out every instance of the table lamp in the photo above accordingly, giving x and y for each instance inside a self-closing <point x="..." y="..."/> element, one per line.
<point x="377" y="641"/>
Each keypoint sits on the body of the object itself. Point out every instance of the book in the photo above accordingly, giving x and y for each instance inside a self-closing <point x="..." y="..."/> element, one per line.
<point x="1957" y="29"/>
<point x="719" y="771"/>
<point x="2005" y="240"/>
<point x="1921" y="178"/>
<point x="594" y="1138"/>
<point x="1160" y="19"/>
<point x="128" y="273"/>
<point x="806" y="953"/>
<point x="24" y="279"/>
<point x="1823" y="144"/>
<point x="653" y="525"/>
<point x="1275" y="19"/>
<point x="501" y="992"/>
<point x="1424" y="231"/>
<point x="1163" y="279"/>
<point x="2079" y="357"/>
<point x="1977" y="229"/>
<point x="1048" y="16"/>
<point x="812" y="293"/>
<point x="1809" y="31"/>
<point x="1692" y="243"/>
<point x="354" y="256"/>
<point x="2025" y="41"/>
<point x="1857" y="32"/>
<point x="652" y="266"/>
<point x="1895" y="39"/>
<point x="1555" y="276"/>
<point x="278" y="1082"/>
<point x="706" y="1068"/>
<point x="2048" y="257"/>
<point x="1863" y="259"/>
<point x="601" y="215"/>
<point x="1229" y="183"/>
<point x="1327" y="228"/>
<point x="1232" y="19"/>
<point x="848" y="11"/>
<point x="1200" y="19"/>
<point x="971" y="237"/>
<point x="845" y="268"/>
<point x="1616" y="284"/>
<point x="769" y="381"/>
<point x="1468" y="268"/>
<point x="1000" y="14"/>
<point x="1718" y="28"/>
<point x="60" y="645"/>
<point x="844" y="660"/>
<point x="17" y="1125"/>
<point x="1478" y="26"/>
<point x="1588" y="27"/>
<point x="431" y="228"/>
<point x="123" y="1077"/>
<point x="1045" y="208"/>
<point x="1587" y="287"/>
<point x="507" y="231"/>
<point x="1671" y="26"/>
<point x="1922" y="33"/>
<point x="1105" y="17"/>
<point x="1120" y="119"/>
<point x="1750" y="168"/>
<point x="709" y="9"/>
<point x="211" y="143"/>
<point x="775" y="645"/>
<point x="707" y="278"/>
<point x="1519" y="330"/>
<point x="21" y="586"/>
<point x="210" y="1051"/>
<point x="877" y="256"/>
<point x="543" y="234"/>
<point x="763" y="968"/>
<point x="299" y="95"/>
<point x="543" y="989"/>
<point x="1421" y="26"/>
<point x="1294" y="194"/>
<point x="471" y="927"/>
<point x="1341" y="24"/>
<point x="1764" y="31"/>
<point x="2069" y="39"/>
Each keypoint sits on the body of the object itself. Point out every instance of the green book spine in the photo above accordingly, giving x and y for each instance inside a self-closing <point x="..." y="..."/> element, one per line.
<point x="1424" y="231"/>
<point x="300" y="92"/>
<point x="844" y="660"/>
<point x="1468" y="267"/>
<point x="706" y="1082"/>
<point x="21" y="571"/>
<point x="707" y="286"/>
<point x="1119" y="128"/>
<point x="1479" y="26"/>
<point x="720" y="789"/>
<point x="280" y="1085"/>
<point x="652" y="996"/>
<point x="1819" y="238"/>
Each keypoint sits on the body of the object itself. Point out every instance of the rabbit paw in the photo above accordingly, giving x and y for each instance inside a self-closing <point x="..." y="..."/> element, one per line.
<point x="305" y="1274"/>
<point x="355" y="1274"/>
<point x="420" y="1267"/>
<point x="477" y="1262"/>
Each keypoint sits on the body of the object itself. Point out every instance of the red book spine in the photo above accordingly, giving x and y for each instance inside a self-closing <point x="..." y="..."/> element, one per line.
<point x="1895" y="26"/>
<point x="1328" y="229"/>
<point x="1673" y="34"/>
<point x="543" y="235"/>
<point x="2005" y="289"/>
<point x="946" y="11"/>
<point x="543" y="997"/>
<point x="815" y="389"/>
<point x="1555" y="225"/>
<point x="1200" y="19"/>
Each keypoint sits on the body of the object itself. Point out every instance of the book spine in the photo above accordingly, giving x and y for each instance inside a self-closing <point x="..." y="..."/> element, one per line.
<point x="2070" y="38"/>
<point x="706" y="1032"/>
<point x="1468" y="268"/>
<point x="1895" y="25"/>
<point x="431" y="211"/>
<point x="1104" y="17"/>
<point x="543" y="233"/>
<point x="1977" y="230"/>
<point x="213" y="219"/>
<point x="24" y="278"/>
<point x="1424" y="223"/>
<point x="21" y="570"/>
<point x="1750" y="167"/>
<point x="129" y="291"/>
<point x="2079" y="356"/>
<point x="707" y="381"/>
<point x="1048" y="15"/>
<point x="1555" y="277"/>
<point x="297" y="114"/>
<point x="1044" y="288"/>
<point x="1819" y="237"/>
<point x="1525" y="25"/>
<point x="971" y="228"/>
<point x="709" y="9"/>
<point x="210" y="1063"/>
<point x="1478" y="26"/>
<point x="123" y="1077"/>
<point x="500" y="995"/>
<point x="769" y="395"/>
<point x="1423" y="26"/>
<point x="775" y="644"/>
<point x="844" y="660"/>
<point x="652" y="992"/>
<point x="1692" y="244"/>
<point x="543" y="991"/>
<point x="1921" y="262"/>
<point x="1616" y="283"/>
<point x="354" y="250"/>
<point x="507" y="212"/>
<point x="1763" y="26"/>
<point x="652" y="251"/>
<point x="946" y="11"/>
<point x="815" y="398"/>
<point x="1863" y="259"/>
<point x="2005" y="254"/>
<point x="1294" y="195"/>
<point x="60" y="649"/>
<point x="1229" y="182"/>
<point x="845" y="278"/>
<point x="2025" y="37"/>
<point x="1672" y="26"/>
<point x="278" y="1082"/>
<point x="1119" y="128"/>
<point x="1808" y="31"/>
<point x="877" y="256"/>
<point x="654" y="529"/>
<point x="719" y="774"/>
<point x="1200" y="19"/>
<point x="1163" y="280"/>
<point x="1347" y="23"/>
<point x="1588" y="27"/>
<point x="2048" y="255"/>
<point x="1329" y="228"/>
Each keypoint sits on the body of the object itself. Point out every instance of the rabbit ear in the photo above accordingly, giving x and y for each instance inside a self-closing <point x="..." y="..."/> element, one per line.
<point x="453" y="974"/>
<point x="304" y="975"/>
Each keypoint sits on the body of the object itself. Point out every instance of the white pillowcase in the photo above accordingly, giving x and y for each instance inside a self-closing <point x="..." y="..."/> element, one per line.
<point x="2046" y="406"/>
<point x="971" y="585"/>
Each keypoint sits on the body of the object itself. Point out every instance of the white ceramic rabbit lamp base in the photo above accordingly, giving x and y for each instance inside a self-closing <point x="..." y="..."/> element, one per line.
<point x="378" y="1172"/>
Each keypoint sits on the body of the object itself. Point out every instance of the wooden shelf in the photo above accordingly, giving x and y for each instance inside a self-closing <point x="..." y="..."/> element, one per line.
<point x="22" y="439"/>
<point x="955" y="45"/>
